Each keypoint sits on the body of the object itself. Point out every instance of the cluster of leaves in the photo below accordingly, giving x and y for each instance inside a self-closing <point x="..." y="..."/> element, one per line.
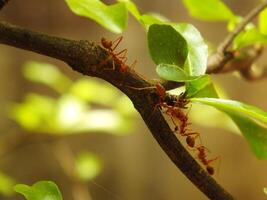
<point x="78" y="107"/>
<point x="87" y="167"/>
<point x="181" y="54"/>
<point x="72" y="111"/>
<point x="40" y="191"/>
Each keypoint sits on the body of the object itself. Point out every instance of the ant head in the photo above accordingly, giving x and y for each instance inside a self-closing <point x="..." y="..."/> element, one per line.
<point x="210" y="170"/>
<point x="190" y="141"/>
<point x="107" y="44"/>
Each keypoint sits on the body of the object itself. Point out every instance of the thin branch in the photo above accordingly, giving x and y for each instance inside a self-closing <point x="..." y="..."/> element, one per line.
<point x="222" y="56"/>
<point x="85" y="57"/>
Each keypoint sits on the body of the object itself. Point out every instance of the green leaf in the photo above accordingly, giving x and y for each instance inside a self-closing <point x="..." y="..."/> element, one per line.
<point x="250" y="120"/>
<point x="87" y="166"/>
<point x="265" y="190"/>
<point x="94" y="91"/>
<point x="173" y="73"/>
<point x="210" y="10"/>
<point x="263" y="21"/>
<point x="35" y="113"/>
<point x="211" y="117"/>
<point x="42" y="190"/>
<point x="113" y="17"/>
<point x="196" y="62"/>
<point x="201" y="87"/>
<point x="234" y="22"/>
<point x="47" y="74"/>
<point x="6" y="184"/>
<point x="249" y="37"/>
<point x="166" y="45"/>
<point x="152" y="18"/>
<point x="132" y="8"/>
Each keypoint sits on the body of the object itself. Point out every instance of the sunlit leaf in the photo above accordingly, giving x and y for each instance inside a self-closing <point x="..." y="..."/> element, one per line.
<point x="69" y="112"/>
<point x="87" y="166"/>
<point x="196" y="62"/>
<point x="250" y="120"/>
<point x="166" y="45"/>
<point x="35" y="112"/>
<point x="201" y="87"/>
<point x="42" y="190"/>
<point x="94" y="92"/>
<point x="125" y="107"/>
<point x="233" y="23"/>
<point x="132" y="8"/>
<point x="249" y="37"/>
<point x="265" y="190"/>
<point x="263" y="21"/>
<point x="47" y="74"/>
<point x="210" y="10"/>
<point x="102" y="121"/>
<point x="6" y="184"/>
<point x="211" y="117"/>
<point x="152" y="18"/>
<point x="113" y="17"/>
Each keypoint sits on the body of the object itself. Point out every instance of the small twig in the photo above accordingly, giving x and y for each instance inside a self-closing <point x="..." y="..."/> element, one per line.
<point x="250" y="74"/>
<point x="3" y="3"/>
<point x="85" y="57"/>
<point x="222" y="56"/>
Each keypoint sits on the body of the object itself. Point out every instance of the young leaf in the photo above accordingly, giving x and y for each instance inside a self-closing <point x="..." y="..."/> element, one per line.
<point x="6" y="185"/>
<point x="88" y="90"/>
<point x="173" y="73"/>
<point x="152" y="18"/>
<point x="201" y="87"/>
<point x="263" y="21"/>
<point x="196" y="62"/>
<point x="47" y="74"/>
<point x="210" y="10"/>
<point x="131" y="7"/>
<point x="166" y="45"/>
<point x="113" y="17"/>
<point x="87" y="166"/>
<point x="42" y="190"/>
<point x="249" y="119"/>
<point x="249" y="37"/>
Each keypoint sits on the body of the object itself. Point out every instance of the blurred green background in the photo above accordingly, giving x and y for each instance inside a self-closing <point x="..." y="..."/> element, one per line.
<point x="84" y="135"/>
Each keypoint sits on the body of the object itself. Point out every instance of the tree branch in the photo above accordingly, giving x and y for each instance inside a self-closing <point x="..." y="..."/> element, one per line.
<point x="218" y="60"/>
<point x="85" y="57"/>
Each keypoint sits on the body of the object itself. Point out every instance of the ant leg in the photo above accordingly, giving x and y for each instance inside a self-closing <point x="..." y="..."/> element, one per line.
<point x="116" y="43"/>
<point x="132" y="66"/>
<point x="143" y="88"/>
<point x="197" y="135"/>
<point x="176" y="128"/>
<point x="122" y="54"/>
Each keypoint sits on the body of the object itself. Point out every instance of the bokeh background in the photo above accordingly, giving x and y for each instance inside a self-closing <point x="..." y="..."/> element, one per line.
<point x="125" y="161"/>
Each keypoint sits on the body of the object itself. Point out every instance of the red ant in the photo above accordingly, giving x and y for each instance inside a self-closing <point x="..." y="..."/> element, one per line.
<point x="119" y="57"/>
<point x="191" y="137"/>
<point x="201" y="156"/>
